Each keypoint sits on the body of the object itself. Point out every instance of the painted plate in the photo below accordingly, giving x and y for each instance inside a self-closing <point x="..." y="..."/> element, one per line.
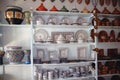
<point x="81" y="33"/>
<point x="40" y="35"/>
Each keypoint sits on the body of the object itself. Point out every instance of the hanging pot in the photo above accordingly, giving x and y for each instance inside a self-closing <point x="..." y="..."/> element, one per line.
<point x="87" y="1"/>
<point x="14" y="15"/>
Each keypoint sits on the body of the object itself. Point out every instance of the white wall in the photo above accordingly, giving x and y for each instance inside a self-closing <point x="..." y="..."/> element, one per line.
<point x="27" y="4"/>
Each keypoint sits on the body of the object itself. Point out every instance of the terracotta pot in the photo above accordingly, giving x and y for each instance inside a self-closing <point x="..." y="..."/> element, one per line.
<point x="41" y="8"/>
<point x="14" y="15"/>
<point x="116" y="22"/>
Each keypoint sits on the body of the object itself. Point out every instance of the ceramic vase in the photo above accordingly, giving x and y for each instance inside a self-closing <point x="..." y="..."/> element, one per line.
<point x="14" y="15"/>
<point x="14" y="54"/>
<point x="27" y="16"/>
<point x="27" y="56"/>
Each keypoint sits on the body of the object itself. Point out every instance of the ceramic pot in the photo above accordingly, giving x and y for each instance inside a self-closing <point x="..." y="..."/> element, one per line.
<point x="1" y="57"/>
<point x="27" y="56"/>
<point x="14" y="15"/>
<point x="14" y="54"/>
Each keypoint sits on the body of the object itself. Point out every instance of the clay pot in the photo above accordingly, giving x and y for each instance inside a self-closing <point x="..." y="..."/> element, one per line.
<point x="64" y="9"/>
<point x="14" y="15"/>
<point x="14" y="54"/>
<point x="53" y="9"/>
<point x="116" y="22"/>
<point x="41" y="8"/>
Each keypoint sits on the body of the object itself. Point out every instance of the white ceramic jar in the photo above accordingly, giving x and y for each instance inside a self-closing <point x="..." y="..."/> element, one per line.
<point x="14" y="54"/>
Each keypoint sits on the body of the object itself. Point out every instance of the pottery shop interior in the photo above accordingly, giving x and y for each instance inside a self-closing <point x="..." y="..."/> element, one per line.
<point x="59" y="39"/>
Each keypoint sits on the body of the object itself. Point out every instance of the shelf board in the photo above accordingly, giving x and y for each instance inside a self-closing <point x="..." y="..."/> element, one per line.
<point x="62" y="13"/>
<point x="109" y="27"/>
<point x="109" y="15"/>
<point x="107" y="45"/>
<point x="67" y="64"/>
<point x="105" y="75"/>
<point x="17" y="65"/>
<point x="63" y="26"/>
<point x="108" y="60"/>
<point x="76" y="78"/>
<point x="65" y="44"/>
<point x="15" y="25"/>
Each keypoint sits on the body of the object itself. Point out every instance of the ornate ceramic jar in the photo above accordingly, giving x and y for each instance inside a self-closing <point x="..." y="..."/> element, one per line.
<point x="14" y="54"/>
<point x="14" y="15"/>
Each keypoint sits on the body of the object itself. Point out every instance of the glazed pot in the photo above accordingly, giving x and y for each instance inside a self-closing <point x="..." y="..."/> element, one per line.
<point x="1" y="57"/>
<point x="14" y="15"/>
<point x="14" y="54"/>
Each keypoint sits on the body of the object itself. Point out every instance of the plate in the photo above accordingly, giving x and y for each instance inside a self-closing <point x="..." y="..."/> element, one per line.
<point x="39" y="20"/>
<point x="65" y="20"/>
<point x="52" y="20"/>
<point x="81" y="20"/>
<point x="40" y="35"/>
<point x="81" y="33"/>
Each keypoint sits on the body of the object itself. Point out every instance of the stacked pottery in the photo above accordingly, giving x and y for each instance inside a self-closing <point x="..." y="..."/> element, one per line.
<point x="14" y="15"/>
<point x="14" y="54"/>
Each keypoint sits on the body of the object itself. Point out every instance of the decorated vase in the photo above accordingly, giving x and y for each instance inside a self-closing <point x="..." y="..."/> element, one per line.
<point x="14" y="15"/>
<point x="14" y="54"/>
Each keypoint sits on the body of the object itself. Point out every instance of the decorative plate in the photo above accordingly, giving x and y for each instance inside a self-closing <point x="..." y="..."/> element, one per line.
<point x="39" y="20"/>
<point x="81" y="33"/>
<point x="52" y="20"/>
<point x="40" y="35"/>
<point x="80" y="20"/>
<point x="65" y="20"/>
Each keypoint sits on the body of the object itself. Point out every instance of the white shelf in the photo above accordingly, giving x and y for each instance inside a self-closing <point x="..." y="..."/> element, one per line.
<point x="15" y="25"/>
<point x="63" y="26"/>
<point x="62" y="13"/>
<point x="75" y="78"/>
<point x="107" y="45"/>
<point x="84" y="44"/>
<point x="68" y="64"/>
<point x="108" y="60"/>
<point x="109" y="15"/>
<point x="105" y="75"/>
<point x="18" y="65"/>
<point x="109" y="27"/>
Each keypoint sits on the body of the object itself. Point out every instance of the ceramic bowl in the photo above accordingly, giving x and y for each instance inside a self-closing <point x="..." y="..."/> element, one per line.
<point x="14" y="54"/>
